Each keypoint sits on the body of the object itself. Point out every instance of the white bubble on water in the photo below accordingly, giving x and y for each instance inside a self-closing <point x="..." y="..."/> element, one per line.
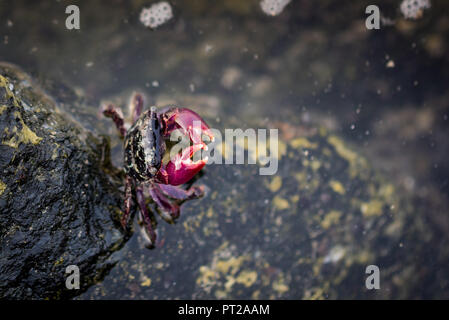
<point x="273" y="7"/>
<point x="156" y="15"/>
<point x="413" y="9"/>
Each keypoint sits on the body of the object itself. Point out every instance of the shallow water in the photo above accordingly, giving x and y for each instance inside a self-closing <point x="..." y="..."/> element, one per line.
<point x="383" y="91"/>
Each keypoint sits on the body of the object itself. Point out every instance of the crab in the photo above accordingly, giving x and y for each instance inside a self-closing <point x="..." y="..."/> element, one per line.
<point x="146" y="170"/>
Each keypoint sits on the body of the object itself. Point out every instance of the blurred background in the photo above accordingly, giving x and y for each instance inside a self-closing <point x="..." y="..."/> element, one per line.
<point x="305" y="65"/>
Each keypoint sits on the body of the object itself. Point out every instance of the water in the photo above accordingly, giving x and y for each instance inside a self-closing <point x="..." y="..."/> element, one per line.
<point x="383" y="91"/>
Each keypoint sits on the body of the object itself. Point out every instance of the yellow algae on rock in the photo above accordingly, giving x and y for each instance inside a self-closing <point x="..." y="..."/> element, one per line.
<point x="356" y="162"/>
<point x="207" y="276"/>
<point x="337" y="187"/>
<point x="2" y="187"/>
<point x="294" y="198"/>
<point x="275" y="184"/>
<point x="280" y="203"/>
<point x="146" y="282"/>
<point x="387" y="191"/>
<point x="342" y="150"/>
<point x="25" y="135"/>
<point x="210" y="213"/>
<point x="301" y="177"/>
<point x="225" y="271"/>
<point x="247" y="278"/>
<point x="4" y="83"/>
<point x="372" y="208"/>
<point x="59" y="261"/>
<point x="255" y="295"/>
<point x="317" y="293"/>
<point x="230" y="266"/>
<point x="315" y="165"/>
<point x="302" y="142"/>
<point x="330" y="219"/>
<point x="279" y="285"/>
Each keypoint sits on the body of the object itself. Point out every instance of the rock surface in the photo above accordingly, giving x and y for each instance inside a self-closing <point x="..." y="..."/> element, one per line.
<point x="308" y="232"/>
<point x="58" y="202"/>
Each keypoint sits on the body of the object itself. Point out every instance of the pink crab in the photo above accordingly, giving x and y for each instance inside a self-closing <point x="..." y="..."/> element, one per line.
<point x="145" y="146"/>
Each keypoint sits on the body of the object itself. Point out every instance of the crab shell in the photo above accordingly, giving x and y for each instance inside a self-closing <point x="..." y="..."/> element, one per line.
<point x="144" y="147"/>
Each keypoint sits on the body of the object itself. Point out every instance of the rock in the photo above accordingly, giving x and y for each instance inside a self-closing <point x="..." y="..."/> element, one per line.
<point x="58" y="199"/>
<point x="308" y="232"/>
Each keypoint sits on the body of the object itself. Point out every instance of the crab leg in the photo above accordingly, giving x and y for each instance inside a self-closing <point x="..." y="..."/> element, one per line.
<point x="136" y="106"/>
<point x="145" y="214"/>
<point x="116" y="114"/>
<point x="128" y="199"/>
<point x="164" y="203"/>
<point x="181" y="194"/>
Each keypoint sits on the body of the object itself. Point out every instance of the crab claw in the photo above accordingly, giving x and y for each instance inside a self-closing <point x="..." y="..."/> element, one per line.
<point x="181" y="168"/>
<point x="188" y="121"/>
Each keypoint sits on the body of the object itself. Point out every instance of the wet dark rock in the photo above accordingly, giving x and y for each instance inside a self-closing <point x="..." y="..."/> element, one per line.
<point x="58" y="200"/>
<point x="307" y="232"/>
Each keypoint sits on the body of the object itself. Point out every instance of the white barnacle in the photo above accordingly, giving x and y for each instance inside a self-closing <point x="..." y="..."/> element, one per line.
<point x="273" y="7"/>
<point x="156" y="15"/>
<point x="413" y="9"/>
